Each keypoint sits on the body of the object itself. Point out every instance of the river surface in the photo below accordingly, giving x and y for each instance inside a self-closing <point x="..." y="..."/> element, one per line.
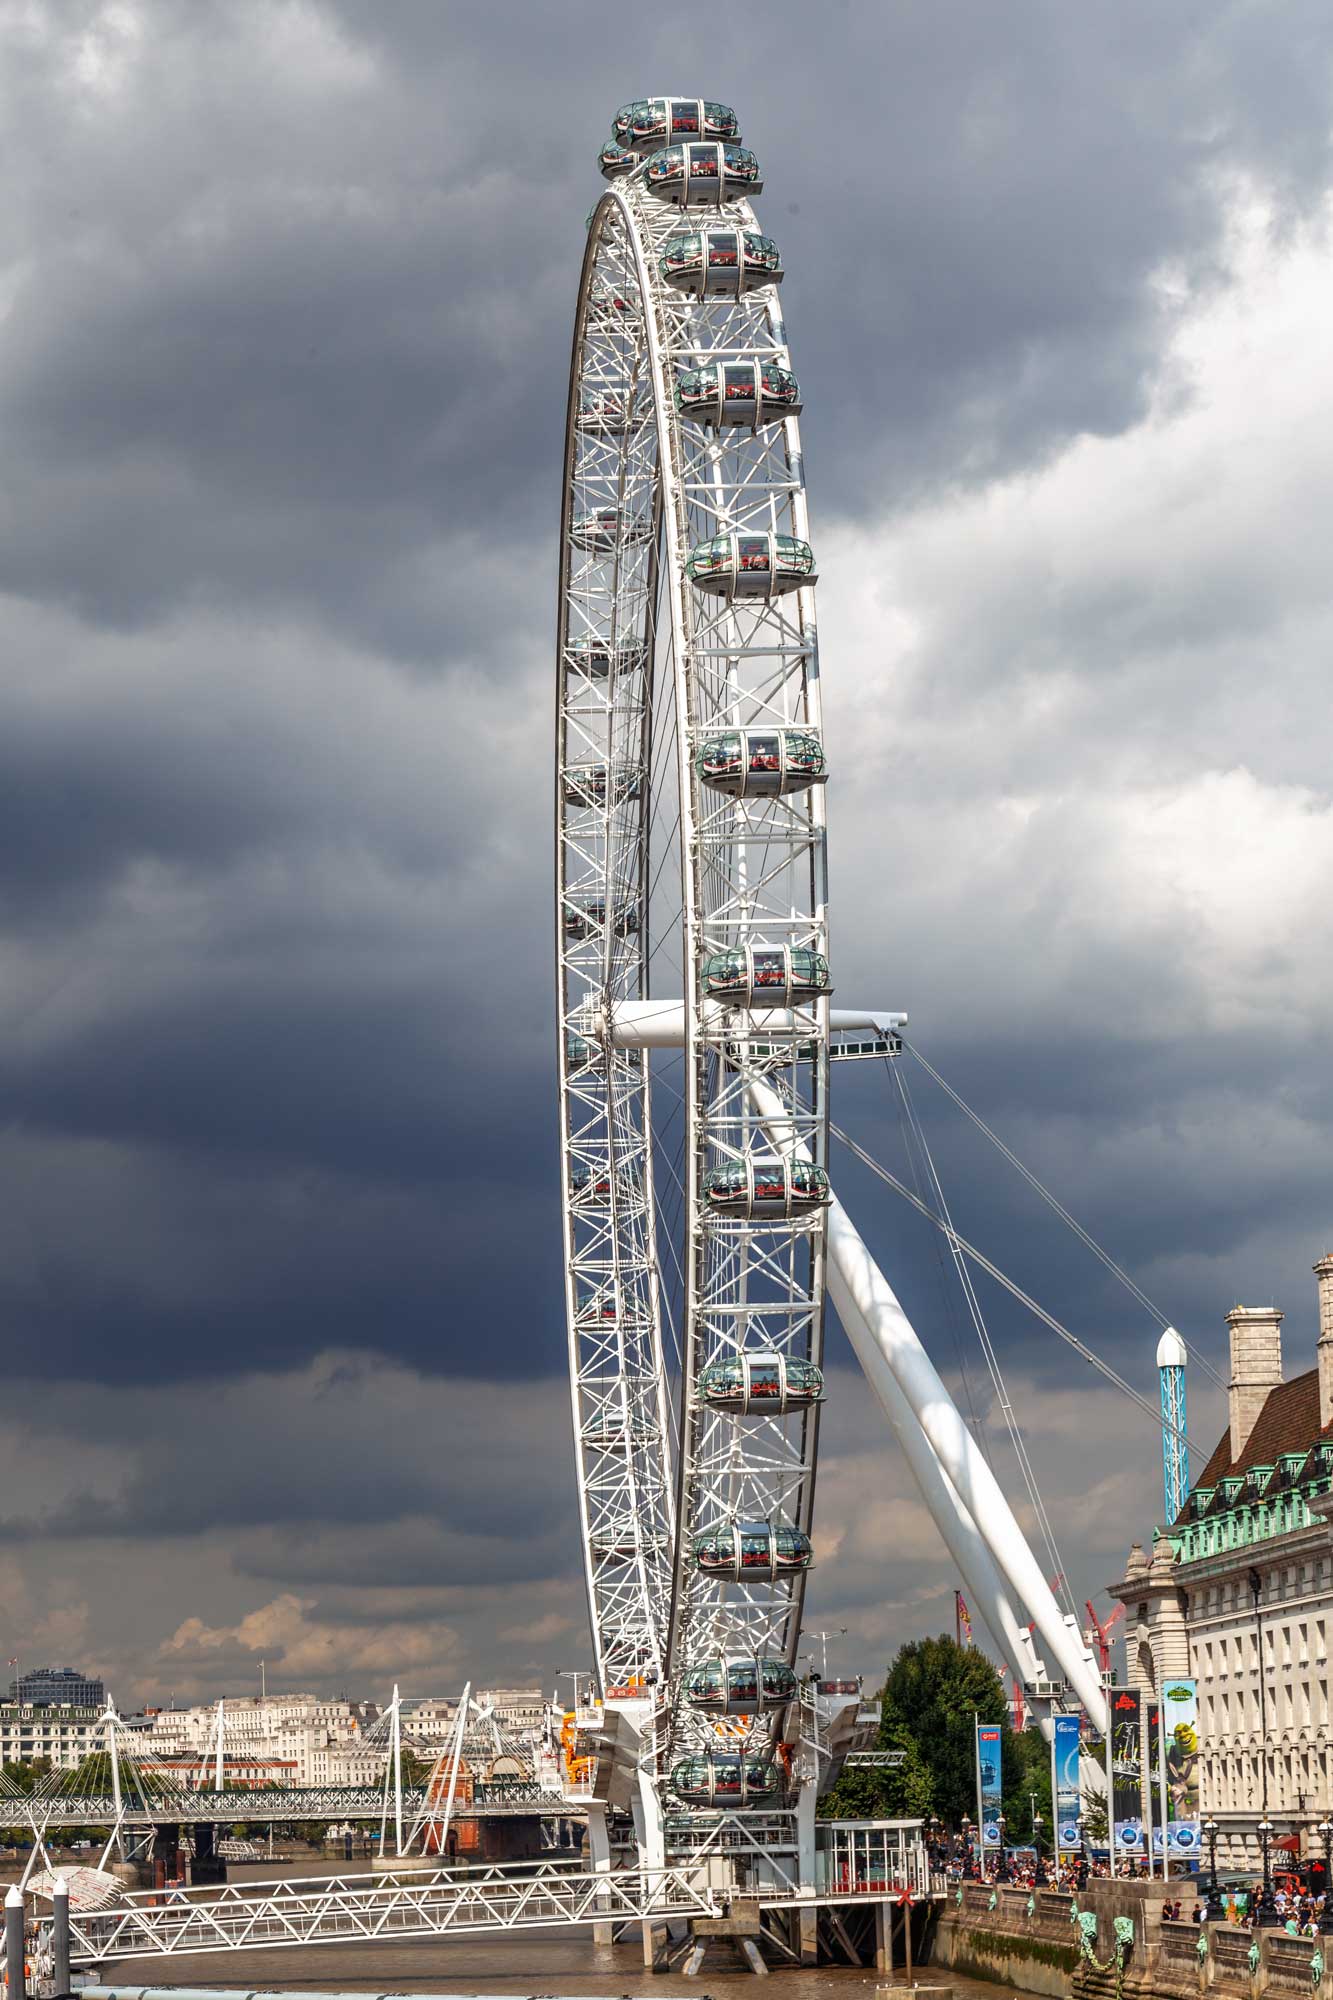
<point x="554" y="1962"/>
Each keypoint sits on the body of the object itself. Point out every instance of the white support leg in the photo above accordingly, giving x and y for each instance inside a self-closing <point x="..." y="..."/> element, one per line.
<point x="599" y="1863"/>
<point x="854" y="1277"/>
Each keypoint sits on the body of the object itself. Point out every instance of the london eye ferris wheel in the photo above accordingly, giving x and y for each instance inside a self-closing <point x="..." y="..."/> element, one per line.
<point x="690" y="862"/>
<point x="696" y="1029"/>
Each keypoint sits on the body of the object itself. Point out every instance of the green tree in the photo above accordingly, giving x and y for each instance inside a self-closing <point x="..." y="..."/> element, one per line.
<point x="934" y="1690"/>
<point x="904" y="1792"/>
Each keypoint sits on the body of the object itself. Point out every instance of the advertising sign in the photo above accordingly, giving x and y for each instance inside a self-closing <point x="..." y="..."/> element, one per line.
<point x="1180" y="1700"/>
<point x="1065" y="1791"/>
<point x="1127" y="1772"/>
<point x="988" y="1783"/>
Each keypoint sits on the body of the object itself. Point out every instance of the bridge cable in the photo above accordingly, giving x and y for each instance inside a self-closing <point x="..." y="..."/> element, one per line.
<point x="1090" y="1242"/>
<point x="978" y="1257"/>
<point x="987" y="1345"/>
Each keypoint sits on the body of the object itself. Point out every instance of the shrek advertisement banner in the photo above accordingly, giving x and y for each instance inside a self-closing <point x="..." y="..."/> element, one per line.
<point x="1180" y="1704"/>
<point x="988" y="1782"/>
<point x="1127" y="1771"/>
<point x="1065" y="1795"/>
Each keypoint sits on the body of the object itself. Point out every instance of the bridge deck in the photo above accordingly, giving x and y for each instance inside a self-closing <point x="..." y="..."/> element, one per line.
<point x="350" y="1909"/>
<point x="312" y="1802"/>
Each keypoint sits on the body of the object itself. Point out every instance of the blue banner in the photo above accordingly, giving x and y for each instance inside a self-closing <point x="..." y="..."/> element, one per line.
<point x="989" y="1784"/>
<point x="1066" y="1793"/>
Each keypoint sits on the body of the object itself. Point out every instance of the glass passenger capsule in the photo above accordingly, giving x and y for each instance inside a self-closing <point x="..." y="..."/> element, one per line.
<point x="720" y="263"/>
<point x="650" y="122"/>
<point x="766" y="1187"/>
<point x="580" y="1053"/>
<point x="587" y="784"/>
<point x="612" y="1430"/>
<point x="702" y="172"/>
<point x="750" y="565"/>
<point x="591" y="1186"/>
<point x="760" y="1551"/>
<point x="764" y="975"/>
<point x="598" y="1308"/>
<point x="606" y="528"/>
<point x="726" y="1779"/>
<point x="739" y="1687"/>
<point x="738" y="392"/>
<point x="598" y="657"/>
<point x="612" y="301"/>
<point x="614" y="160"/>
<point x="762" y="763"/>
<point x="608" y="412"/>
<point x="762" y="1383"/>
<point x="616" y="1541"/>
<point x="584" y="916"/>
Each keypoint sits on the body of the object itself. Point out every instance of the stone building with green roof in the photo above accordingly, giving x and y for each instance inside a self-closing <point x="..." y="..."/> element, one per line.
<point x="1238" y="1591"/>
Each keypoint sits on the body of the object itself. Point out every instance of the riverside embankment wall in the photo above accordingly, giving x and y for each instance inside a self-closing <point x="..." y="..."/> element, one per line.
<point x="1029" y="1941"/>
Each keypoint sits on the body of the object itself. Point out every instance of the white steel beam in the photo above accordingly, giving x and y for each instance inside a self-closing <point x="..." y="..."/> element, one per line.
<point x="858" y="1283"/>
<point x="660" y="1024"/>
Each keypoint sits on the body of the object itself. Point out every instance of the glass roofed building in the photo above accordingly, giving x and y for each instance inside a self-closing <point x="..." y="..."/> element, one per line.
<point x="1238" y="1592"/>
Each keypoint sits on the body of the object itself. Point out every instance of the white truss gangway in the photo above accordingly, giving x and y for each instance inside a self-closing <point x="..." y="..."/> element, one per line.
<point x="351" y="1909"/>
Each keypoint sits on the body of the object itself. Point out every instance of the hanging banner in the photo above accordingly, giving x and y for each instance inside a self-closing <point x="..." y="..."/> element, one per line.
<point x="1066" y="1796"/>
<point x="1127" y="1772"/>
<point x="988" y="1784"/>
<point x="1180" y="1701"/>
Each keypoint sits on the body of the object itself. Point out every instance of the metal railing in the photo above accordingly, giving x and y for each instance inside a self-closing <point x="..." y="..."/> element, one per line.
<point x="398" y="1904"/>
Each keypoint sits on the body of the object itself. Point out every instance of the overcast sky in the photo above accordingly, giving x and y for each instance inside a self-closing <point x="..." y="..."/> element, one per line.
<point x="285" y="306"/>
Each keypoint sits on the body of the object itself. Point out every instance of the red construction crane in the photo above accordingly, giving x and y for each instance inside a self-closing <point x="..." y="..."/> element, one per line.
<point x="1099" y="1635"/>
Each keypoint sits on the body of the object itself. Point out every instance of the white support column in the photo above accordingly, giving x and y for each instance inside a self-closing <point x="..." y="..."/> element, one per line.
<point x="857" y="1281"/>
<point x="397" y="1771"/>
<point x="217" y="1764"/>
<point x="454" y="1767"/>
<point x="599" y="1859"/>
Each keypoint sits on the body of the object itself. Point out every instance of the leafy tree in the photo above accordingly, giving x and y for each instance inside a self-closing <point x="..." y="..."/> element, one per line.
<point x="94" y="1775"/>
<point x="902" y="1793"/>
<point x="28" y="1773"/>
<point x="934" y="1689"/>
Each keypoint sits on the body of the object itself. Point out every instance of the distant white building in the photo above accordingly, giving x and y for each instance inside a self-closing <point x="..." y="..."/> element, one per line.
<point x="58" y="1731"/>
<point x="306" y="1739"/>
<point x="310" y="1739"/>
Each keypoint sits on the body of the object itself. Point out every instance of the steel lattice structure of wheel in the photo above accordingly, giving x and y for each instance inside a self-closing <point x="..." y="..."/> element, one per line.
<point x="690" y="858"/>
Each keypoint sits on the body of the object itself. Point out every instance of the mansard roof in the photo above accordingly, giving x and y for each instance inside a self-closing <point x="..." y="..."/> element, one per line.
<point x="1288" y="1424"/>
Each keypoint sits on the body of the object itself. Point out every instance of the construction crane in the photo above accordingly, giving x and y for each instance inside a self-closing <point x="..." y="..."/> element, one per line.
<point x="1099" y="1635"/>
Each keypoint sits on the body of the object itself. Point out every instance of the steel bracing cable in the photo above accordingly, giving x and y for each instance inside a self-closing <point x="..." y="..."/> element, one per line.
<point x="1090" y="1242"/>
<point x="982" y="1331"/>
<point x="984" y="1263"/>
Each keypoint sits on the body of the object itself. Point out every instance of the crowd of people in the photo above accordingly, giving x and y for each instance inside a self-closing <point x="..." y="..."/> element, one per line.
<point x="1299" y="1912"/>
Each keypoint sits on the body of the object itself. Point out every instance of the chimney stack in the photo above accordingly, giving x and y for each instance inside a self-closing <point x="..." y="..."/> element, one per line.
<point x="1323" y="1270"/>
<point x="1256" y="1366"/>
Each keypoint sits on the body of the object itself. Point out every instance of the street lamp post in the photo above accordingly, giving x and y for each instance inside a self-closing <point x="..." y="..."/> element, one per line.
<point x="1214" y="1909"/>
<point x="1040" y="1870"/>
<point x="1265" y="1916"/>
<point x="1002" y="1871"/>
<point x="838" y="1632"/>
<point x="1325" y="1832"/>
<point x="969" y="1852"/>
<point x="1265" y="1913"/>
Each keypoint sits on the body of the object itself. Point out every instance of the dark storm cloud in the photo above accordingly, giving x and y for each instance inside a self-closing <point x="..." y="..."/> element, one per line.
<point x="286" y="295"/>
